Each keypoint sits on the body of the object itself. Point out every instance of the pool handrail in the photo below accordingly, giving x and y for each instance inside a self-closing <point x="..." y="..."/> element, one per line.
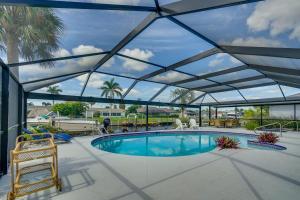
<point x="297" y="124"/>
<point x="280" y="127"/>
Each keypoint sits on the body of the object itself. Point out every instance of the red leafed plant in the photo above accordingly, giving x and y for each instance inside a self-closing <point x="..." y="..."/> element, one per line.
<point x="268" y="137"/>
<point x="225" y="142"/>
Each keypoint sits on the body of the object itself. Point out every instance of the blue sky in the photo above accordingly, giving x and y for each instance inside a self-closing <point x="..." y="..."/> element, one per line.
<point x="165" y="43"/>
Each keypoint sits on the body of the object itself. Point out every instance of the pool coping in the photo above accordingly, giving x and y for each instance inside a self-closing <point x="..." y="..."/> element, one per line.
<point x="251" y="142"/>
<point x="169" y="131"/>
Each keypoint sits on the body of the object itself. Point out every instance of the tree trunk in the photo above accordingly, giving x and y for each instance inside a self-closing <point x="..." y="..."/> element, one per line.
<point x="13" y="53"/>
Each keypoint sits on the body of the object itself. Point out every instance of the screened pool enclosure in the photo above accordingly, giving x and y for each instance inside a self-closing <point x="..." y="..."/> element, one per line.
<point x="224" y="52"/>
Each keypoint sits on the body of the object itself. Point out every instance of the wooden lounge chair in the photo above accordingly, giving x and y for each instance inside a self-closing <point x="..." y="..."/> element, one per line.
<point x="229" y="123"/>
<point x="219" y="123"/>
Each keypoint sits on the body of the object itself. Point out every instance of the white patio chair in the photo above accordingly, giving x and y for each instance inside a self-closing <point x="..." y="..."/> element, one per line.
<point x="193" y="124"/>
<point x="180" y="125"/>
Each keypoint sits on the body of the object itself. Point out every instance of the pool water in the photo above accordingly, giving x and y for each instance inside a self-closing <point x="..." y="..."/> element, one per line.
<point x="163" y="144"/>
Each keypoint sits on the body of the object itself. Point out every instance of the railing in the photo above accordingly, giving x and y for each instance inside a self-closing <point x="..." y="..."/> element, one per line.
<point x="297" y="124"/>
<point x="280" y="127"/>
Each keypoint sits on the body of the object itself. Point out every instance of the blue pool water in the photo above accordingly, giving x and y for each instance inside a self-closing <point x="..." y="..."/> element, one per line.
<point x="163" y="144"/>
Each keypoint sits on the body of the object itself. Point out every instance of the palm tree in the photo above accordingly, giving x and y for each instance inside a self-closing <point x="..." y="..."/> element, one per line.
<point x="54" y="90"/>
<point x="30" y="33"/>
<point x="110" y="89"/>
<point x="184" y="97"/>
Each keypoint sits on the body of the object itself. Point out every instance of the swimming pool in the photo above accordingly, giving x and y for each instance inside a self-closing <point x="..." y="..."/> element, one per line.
<point x="164" y="144"/>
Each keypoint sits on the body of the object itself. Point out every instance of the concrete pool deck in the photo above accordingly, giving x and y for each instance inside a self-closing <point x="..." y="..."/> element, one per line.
<point x="89" y="174"/>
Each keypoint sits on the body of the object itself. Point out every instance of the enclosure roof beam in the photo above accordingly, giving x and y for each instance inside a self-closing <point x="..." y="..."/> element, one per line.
<point x="189" y="60"/>
<point x="50" y="82"/>
<point x="288" y="84"/>
<point x="231" y="82"/>
<point x="75" y="5"/>
<point x="191" y="6"/>
<point x="53" y="77"/>
<point x="259" y="102"/>
<point x="245" y="87"/>
<point x="128" y="90"/>
<point x="55" y="59"/>
<point x="263" y="51"/>
<point x="158" y="93"/>
<point x="101" y="100"/>
<point x="199" y="97"/>
<point x="129" y="37"/>
<point x="291" y="80"/>
<point x="242" y="95"/>
<point x="213" y="98"/>
<point x="280" y="70"/>
<point x="281" y="92"/>
<point x="139" y="60"/>
<point x="213" y="74"/>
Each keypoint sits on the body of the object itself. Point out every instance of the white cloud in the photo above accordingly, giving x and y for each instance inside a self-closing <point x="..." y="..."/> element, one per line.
<point x="221" y="55"/>
<point x="85" y="49"/>
<point x="277" y="17"/>
<point x="61" y="53"/>
<point x="136" y="53"/>
<point x="95" y="80"/>
<point x="215" y="62"/>
<point x="170" y="76"/>
<point x="258" y="41"/>
<point x="91" y="61"/>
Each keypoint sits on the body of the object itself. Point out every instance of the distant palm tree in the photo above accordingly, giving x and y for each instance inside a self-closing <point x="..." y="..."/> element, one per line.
<point x="54" y="90"/>
<point x="32" y="33"/>
<point x="110" y="89"/>
<point x="184" y="97"/>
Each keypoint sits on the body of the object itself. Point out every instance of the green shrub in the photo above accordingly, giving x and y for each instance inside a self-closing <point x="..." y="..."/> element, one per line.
<point x="251" y="125"/>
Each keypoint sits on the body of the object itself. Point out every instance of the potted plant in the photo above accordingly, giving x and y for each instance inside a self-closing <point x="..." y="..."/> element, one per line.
<point x="225" y="142"/>
<point x="268" y="138"/>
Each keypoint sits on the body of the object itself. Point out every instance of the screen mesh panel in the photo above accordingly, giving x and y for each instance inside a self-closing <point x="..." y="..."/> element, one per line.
<point x="236" y="75"/>
<point x="127" y="67"/>
<point x="75" y="31"/>
<point x="196" y="84"/>
<point x="210" y="64"/>
<point x="271" y="61"/>
<point x="266" y="92"/>
<point x="97" y="81"/>
<point x="165" y="43"/>
<point x="254" y="24"/>
<point x="143" y="90"/>
<point x="228" y="96"/>
<point x="58" y="68"/>
<point x="71" y="86"/>
<point x="170" y="77"/>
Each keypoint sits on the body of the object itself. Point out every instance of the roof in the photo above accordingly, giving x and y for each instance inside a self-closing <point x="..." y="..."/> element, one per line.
<point x="153" y="110"/>
<point x="37" y="111"/>
<point x="219" y="50"/>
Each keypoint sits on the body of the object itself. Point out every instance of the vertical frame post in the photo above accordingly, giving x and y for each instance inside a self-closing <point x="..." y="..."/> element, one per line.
<point x="216" y="113"/>
<point x="209" y="115"/>
<point x="235" y="112"/>
<point x="147" y="117"/>
<point x="200" y="116"/>
<point x="20" y="109"/>
<point x="4" y="121"/>
<point x="25" y="110"/>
